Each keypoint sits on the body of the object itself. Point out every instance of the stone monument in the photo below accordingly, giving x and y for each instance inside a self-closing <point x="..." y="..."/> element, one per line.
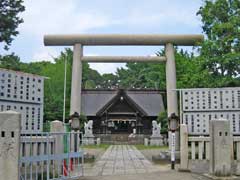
<point x="156" y="138"/>
<point x="10" y="125"/>
<point x="55" y="128"/>
<point x="221" y="143"/>
<point x="88" y="138"/>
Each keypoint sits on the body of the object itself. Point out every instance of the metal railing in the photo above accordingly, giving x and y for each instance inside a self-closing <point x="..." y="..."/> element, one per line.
<point x="51" y="156"/>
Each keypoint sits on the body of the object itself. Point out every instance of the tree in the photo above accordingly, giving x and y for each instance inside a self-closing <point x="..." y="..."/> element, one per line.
<point x="10" y="62"/>
<point x="109" y="81"/>
<point x="163" y="119"/>
<point x="141" y="76"/>
<point x="9" y="20"/>
<point x="153" y="75"/>
<point x="220" y="53"/>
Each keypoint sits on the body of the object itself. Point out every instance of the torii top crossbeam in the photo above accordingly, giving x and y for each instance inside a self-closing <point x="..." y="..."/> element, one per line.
<point x="123" y="39"/>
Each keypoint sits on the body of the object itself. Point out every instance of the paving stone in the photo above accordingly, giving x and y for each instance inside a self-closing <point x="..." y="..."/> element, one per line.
<point x="122" y="159"/>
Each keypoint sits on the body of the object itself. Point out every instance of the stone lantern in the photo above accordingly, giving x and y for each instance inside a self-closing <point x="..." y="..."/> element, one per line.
<point x="173" y="122"/>
<point x="75" y="125"/>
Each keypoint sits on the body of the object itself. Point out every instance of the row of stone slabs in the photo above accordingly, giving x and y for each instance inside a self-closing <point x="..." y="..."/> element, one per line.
<point x="121" y="159"/>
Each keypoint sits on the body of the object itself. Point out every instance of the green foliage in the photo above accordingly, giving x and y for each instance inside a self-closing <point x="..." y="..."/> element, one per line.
<point x="163" y="119"/>
<point x="153" y="75"/>
<point x="10" y="61"/>
<point x="109" y="81"/>
<point x="46" y="126"/>
<point x="220" y="53"/>
<point x="9" y="11"/>
<point x="142" y="75"/>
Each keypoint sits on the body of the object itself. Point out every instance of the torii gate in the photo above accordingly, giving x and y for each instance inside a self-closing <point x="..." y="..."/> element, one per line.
<point x="78" y="41"/>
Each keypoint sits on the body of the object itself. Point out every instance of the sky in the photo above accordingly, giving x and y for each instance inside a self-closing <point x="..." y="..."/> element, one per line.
<point x="101" y="16"/>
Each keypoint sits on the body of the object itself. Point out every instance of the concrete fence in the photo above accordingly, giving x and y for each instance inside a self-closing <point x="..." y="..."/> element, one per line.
<point x="197" y="155"/>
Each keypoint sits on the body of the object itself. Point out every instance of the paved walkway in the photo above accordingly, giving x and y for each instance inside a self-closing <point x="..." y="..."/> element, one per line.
<point x="119" y="160"/>
<point x="165" y="175"/>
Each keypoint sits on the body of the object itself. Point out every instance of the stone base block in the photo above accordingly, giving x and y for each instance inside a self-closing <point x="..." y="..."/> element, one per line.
<point x="146" y="141"/>
<point x="88" y="140"/>
<point x="156" y="141"/>
<point x="98" y="141"/>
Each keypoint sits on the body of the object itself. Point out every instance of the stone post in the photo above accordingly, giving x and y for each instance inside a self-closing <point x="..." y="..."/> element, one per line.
<point x="183" y="148"/>
<point x="146" y="141"/>
<point x="221" y="150"/>
<point x="58" y="145"/>
<point x="172" y="104"/>
<point x="98" y="141"/>
<point x="57" y="127"/>
<point x="76" y="79"/>
<point x="10" y="126"/>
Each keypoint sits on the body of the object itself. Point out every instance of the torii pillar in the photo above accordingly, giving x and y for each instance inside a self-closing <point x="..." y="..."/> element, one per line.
<point x="172" y="101"/>
<point x="76" y="85"/>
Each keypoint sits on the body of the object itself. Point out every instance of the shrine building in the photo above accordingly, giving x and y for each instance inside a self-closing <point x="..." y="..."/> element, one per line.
<point x="120" y="111"/>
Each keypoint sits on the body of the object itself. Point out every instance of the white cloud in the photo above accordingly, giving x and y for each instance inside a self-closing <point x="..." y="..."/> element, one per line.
<point x="165" y="15"/>
<point x="45" y="54"/>
<point x="79" y="16"/>
<point x="63" y="17"/>
<point x="58" y="16"/>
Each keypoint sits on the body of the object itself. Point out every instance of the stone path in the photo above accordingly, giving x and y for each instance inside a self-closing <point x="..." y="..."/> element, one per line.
<point x="119" y="160"/>
<point x="163" y="175"/>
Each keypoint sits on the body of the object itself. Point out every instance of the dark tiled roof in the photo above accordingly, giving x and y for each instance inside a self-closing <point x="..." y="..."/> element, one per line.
<point x="149" y="100"/>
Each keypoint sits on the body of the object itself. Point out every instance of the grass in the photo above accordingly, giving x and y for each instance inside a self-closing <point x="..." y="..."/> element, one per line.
<point x="101" y="146"/>
<point x="143" y="147"/>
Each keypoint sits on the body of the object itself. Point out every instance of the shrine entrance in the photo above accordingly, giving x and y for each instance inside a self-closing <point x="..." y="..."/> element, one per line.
<point x="78" y="41"/>
<point x="123" y="126"/>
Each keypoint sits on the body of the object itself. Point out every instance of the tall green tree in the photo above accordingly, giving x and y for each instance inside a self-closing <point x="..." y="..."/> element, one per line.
<point x="153" y="75"/>
<point x="109" y="81"/>
<point x="10" y="61"/>
<point x="142" y="75"/>
<point x="9" y="20"/>
<point x="220" y="52"/>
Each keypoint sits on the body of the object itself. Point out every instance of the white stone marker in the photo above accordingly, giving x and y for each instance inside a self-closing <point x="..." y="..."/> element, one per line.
<point x="57" y="127"/>
<point x="10" y="126"/>
<point x="146" y="141"/>
<point x="183" y="148"/>
<point x="98" y="141"/>
<point x="221" y="151"/>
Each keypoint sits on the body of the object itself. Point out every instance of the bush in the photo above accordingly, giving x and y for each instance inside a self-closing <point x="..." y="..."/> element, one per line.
<point x="163" y="119"/>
